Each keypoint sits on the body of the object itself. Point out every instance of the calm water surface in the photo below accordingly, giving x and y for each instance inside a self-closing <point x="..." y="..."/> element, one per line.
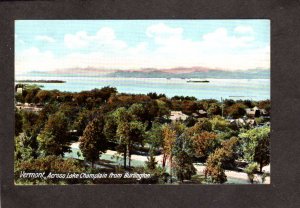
<point x="255" y="89"/>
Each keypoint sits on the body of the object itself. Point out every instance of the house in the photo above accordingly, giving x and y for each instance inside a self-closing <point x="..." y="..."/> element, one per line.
<point x="29" y="107"/>
<point x="202" y="113"/>
<point x="19" y="90"/>
<point x="253" y="112"/>
<point x="264" y="113"/>
<point x="251" y="122"/>
<point x="195" y="115"/>
<point x="178" y="115"/>
<point x="239" y="122"/>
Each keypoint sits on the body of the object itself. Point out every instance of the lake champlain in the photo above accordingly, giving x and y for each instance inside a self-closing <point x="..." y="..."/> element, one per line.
<point x="252" y="89"/>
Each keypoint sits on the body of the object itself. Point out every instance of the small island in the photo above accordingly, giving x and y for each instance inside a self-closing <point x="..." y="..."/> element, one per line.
<point x="41" y="81"/>
<point x="198" y="81"/>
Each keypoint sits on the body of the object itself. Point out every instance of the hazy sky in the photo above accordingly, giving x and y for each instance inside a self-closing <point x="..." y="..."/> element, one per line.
<point x="133" y="44"/>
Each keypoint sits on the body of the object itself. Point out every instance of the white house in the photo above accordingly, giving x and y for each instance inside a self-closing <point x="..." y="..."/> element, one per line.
<point x="178" y="115"/>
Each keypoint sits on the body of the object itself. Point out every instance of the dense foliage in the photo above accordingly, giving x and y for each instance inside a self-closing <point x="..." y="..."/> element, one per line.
<point x="103" y="120"/>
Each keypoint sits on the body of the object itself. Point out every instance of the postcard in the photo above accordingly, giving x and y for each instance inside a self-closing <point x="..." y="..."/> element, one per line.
<point x="142" y="102"/>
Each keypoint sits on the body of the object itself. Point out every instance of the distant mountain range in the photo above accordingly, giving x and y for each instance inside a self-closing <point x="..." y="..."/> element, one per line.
<point x="201" y="74"/>
<point x="179" y="72"/>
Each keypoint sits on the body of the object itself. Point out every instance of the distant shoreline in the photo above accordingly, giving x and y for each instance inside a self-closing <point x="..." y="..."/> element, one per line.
<point x="41" y="81"/>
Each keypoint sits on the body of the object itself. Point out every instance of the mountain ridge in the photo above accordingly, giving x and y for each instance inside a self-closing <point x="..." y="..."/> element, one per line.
<point x="177" y="72"/>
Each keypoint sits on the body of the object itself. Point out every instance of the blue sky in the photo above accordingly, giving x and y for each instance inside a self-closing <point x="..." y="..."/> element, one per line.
<point x="45" y="45"/>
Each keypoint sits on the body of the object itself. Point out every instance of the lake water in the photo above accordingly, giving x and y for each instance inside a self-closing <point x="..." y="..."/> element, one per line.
<point x="255" y="89"/>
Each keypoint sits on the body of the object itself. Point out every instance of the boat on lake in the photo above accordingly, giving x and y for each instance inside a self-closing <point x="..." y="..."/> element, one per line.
<point x="198" y="81"/>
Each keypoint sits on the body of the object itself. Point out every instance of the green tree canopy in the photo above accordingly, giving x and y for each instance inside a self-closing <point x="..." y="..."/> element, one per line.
<point x="53" y="139"/>
<point x="25" y="147"/>
<point x="93" y="141"/>
<point x="219" y="124"/>
<point x="256" y="145"/>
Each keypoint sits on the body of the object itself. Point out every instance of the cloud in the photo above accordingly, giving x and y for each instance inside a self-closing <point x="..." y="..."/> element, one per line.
<point x="32" y="59"/>
<point x="220" y="39"/>
<point x="45" y="38"/>
<point x="105" y="34"/>
<point x="105" y="37"/>
<point x="243" y="29"/>
<point x="216" y="49"/>
<point x="78" y="40"/>
<point x="18" y="40"/>
<point x="163" y="33"/>
<point x="166" y="47"/>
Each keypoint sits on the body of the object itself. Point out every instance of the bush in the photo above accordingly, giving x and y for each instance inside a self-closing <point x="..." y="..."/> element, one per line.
<point x="250" y="170"/>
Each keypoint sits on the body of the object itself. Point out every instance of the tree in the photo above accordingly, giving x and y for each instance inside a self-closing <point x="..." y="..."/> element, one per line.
<point x="155" y="137"/>
<point x="190" y="121"/>
<point x="53" y="139"/>
<point x="53" y="164"/>
<point x="138" y="111"/>
<point x="93" y="141"/>
<point x="163" y="107"/>
<point x="30" y="119"/>
<point x="256" y="146"/>
<point x="129" y="132"/>
<point x="47" y="110"/>
<point x="203" y="139"/>
<point x="178" y="127"/>
<point x="110" y="127"/>
<point x="169" y="138"/>
<point x="236" y="110"/>
<point x="106" y="92"/>
<point x="220" y="159"/>
<point x="136" y="137"/>
<point x="81" y="121"/>
<point x="214" y="167"/>
<point x="80" y="98"/>
<point x="30" y="93"/>
<point x="123" y="139"/>
<point x="189" y="107"/>
<point x="203" y="124"/>
<point x="122" y="119"/>
<point x="214" y="109"/>
<point x="230" y="151"/>
<point x="153" y="95"/>
<point x="183" y="162"/>
<point x="184" y="166"/>
<point x="44" y="96"/>
<point x="18" y="122"/>
<point x="26" y="131"/>
<point x="265" y="104"/>
<point x="25" y="147"/>
<point x="248" y="103"/>
<point x="151" y="163"/>
<point x="83" y="118"/>
<point x="219" y="124"/>
<point x="204" y="143"/>
<point x="250" y="170"/>
<point x="228" y="102"/>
